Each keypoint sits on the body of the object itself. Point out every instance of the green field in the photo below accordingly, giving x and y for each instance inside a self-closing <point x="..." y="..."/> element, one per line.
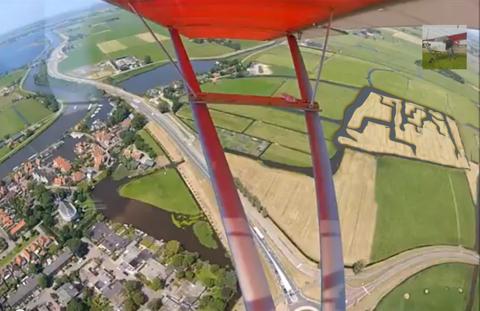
<point x="204" y="232"/>
<point x="12" y="77"/>
<point x="151" y="142"/>
<point x="420" y="204"/>
<point x="428" y="94"/>
<point x="442" y="61"/>
<point x="448" y="288"/>
<point x="471" y="142"/>
<point x="332" y="99"/>
<point x="221" y="119"/>
<point x="124" y="29"/>
<point x="348" y="70"/>
<point x="32" y="110"/>
<point x="281" y="154"/>
<point x="15" y="117"/>
<point x="164" y="189"/>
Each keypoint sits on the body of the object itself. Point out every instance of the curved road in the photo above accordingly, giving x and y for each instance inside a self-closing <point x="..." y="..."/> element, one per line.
<point x="364" y="289"/>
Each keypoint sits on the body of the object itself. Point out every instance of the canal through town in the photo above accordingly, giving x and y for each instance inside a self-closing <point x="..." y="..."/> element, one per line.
<point x="152" y="220"/>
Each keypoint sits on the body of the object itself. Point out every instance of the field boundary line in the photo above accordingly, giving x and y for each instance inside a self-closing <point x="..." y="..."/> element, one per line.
<point x="456" y="208"/>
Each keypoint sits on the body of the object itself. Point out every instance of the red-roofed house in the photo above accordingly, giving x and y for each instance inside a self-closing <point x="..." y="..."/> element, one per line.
<point x="78" y="177"/>
<point x="62" y="164"/>
<point x="18" y="227"/>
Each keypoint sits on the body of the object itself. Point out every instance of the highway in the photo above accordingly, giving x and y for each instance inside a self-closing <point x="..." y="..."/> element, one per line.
<point x="376" y="280"/>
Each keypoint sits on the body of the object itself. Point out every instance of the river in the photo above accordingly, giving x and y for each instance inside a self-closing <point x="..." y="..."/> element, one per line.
<point x="152" y="220"/>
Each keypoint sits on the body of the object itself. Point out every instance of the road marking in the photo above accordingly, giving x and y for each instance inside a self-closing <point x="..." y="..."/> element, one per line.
<point x="456" y="208"/>
<point x="366" y="290"/>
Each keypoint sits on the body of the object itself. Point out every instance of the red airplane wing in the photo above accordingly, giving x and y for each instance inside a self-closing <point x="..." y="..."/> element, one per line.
<point x="269" y="19"/>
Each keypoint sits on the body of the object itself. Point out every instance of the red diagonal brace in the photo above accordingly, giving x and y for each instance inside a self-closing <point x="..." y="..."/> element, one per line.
<point x="238" y="99"/>
<point x="255" y="291"/>
<point x="331" y="261"/>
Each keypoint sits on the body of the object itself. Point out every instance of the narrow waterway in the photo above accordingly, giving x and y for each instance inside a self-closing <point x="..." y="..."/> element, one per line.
<point x="162" y="75"/>
<point x="152" y="220"/>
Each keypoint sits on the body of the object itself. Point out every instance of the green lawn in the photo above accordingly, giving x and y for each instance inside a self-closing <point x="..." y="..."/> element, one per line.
<point x="418" y="205"/>
<point x="448" y="288"/>
<point x="204" y="232"/>
<point x="151" y="141"/>
<point x="164" y="189"/>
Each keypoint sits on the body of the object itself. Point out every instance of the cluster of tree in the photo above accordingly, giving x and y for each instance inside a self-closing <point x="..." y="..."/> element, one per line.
<point x="41" y="77"/>
<point x="225" y="42"/>
<point x="138" y="121"/>
<point x="251" y="197"/>
<point x="41" y="210"/>
<point x="51" y="103"/>
<point x="3" y="244"/>
<point x="142" y="145"/>
<point x="71" y="237"/>
<point x="147" y="59"/>
<point x="121" y="112"/>
<point x="358" y="266"/>
<point x="220" y="282"/>
<point x="134" y="296"/>
<point x="89" y="302"/>
<point x="44" y="280"/>
<point x="233" y="67"/>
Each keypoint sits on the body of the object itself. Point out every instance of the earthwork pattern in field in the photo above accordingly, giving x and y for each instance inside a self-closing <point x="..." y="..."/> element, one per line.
<point x="388" y="125"/>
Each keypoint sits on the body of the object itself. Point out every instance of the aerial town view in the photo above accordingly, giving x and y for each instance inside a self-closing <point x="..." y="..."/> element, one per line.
<point x="331" y="170"/>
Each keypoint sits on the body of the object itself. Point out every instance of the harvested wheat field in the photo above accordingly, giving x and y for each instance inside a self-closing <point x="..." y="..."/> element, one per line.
<point x="147" y="37"/>
<point x="290" y="201"/>
<point x="355" y="188"/>
<point x="386" y="125"/>
<point x="110" y="46"/>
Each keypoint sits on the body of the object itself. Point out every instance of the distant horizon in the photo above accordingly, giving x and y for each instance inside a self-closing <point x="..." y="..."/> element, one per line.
<point x="19" y="14"/>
